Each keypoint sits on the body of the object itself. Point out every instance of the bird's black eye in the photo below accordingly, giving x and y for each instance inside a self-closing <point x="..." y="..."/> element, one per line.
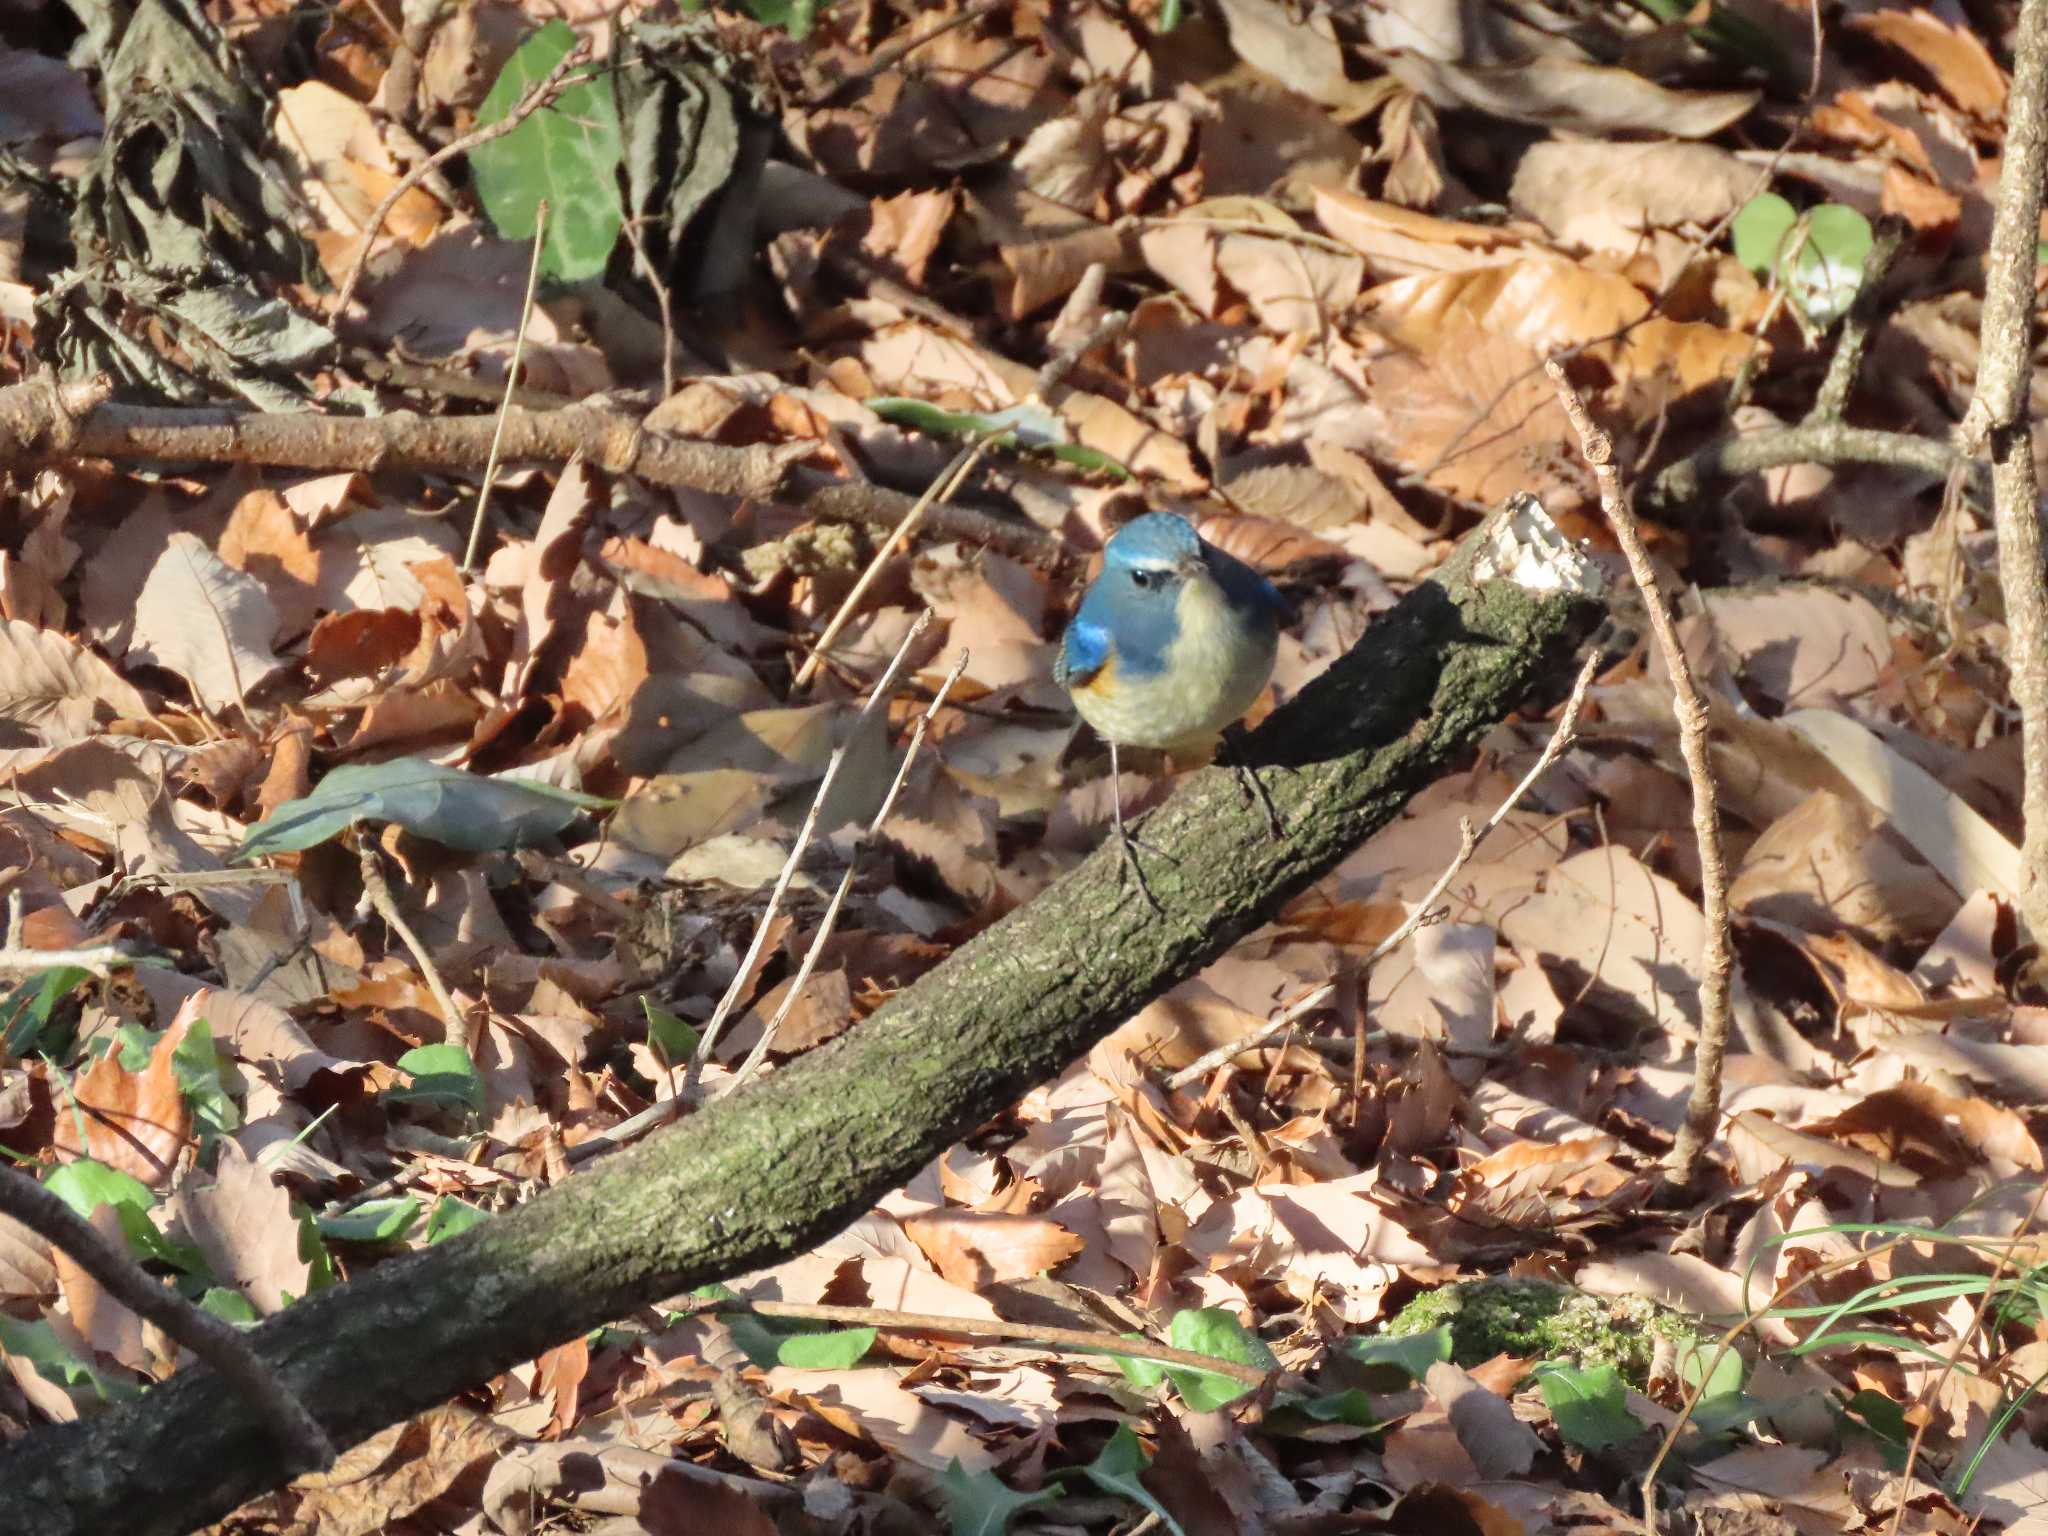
<point x="1142" y="578"/>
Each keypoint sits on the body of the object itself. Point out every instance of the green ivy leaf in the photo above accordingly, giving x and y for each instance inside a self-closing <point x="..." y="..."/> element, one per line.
<point x="38" y="1344"/>
<point x="1116" y="1471"/>
<point x="673" y="1040"/>
<point x="25" y="1009"/>
<point x="1295" y="1413"/>
<point x="441" y="1074"/>
<point x="374" y="1221"/>
<point x="196" y="1063"/>
<point x="979" y="1503"/>
<point x="566" y="154"/>
<point x="1213" y="1331"/>
<point x="229" y="1306"/>
<point x="1588" y="1403"/>
<point x="1759" y="232"/>
<point x="452" y="1217"/>
<point x="1394" y="1360"/>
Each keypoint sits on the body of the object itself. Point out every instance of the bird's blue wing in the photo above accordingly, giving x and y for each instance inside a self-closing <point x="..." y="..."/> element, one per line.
<point x="1086" y="647"/>
<point x="1245" y="586"/>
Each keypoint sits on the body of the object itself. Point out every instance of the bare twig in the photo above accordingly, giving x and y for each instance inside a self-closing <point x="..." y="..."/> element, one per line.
<point x="985" y="1328"/>
<point x="743" y="977"/>
<point x="545" y="90"/>
<point x="887" y="58"/>
<point x="1832" y="400"/>
<point x="1703" y="1113"/>
<point x="949" y="480"/>
<point x="483" y="491"/>
<point x="831" y="918"/>
<point x="667" y="1109"/>
<point x="1425" y="910"/>
<point x="1998" y="423"/>
<point x="98" y="958"/>
<point x="217" y="1342"/>
<point x="39" y="425"/>
<point x="1680" y="484"/>
<point x="378" y="889"/>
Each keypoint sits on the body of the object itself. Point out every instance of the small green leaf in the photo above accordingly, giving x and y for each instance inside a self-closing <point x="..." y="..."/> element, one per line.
<point x="1589" y="1404"/>
<point x="1294" y="1412"/>
<point x="313" y="1253"/>
<point x="566" y="154"/>
<point x="133" y="1044"/>
<point x="86" y="1185"/>
<point x="452" y="1217"/>
<point x="440" y="1074"/>
<point x="374" y="1221"/>
<point x="1695" y="1357"/>
<point x="1760" y="230"/>
<point x="1213" y="1331"/>
<point x="771" y="1341"/>
<point x="1116" y="1471"/>
<point x="979" y="1503"/>
<point x="672" y="1039"/>
<point x="834" y="1350"/>
<point x="466" y="811"/>
<point x="196" y="1062"/>
<point x="1394" y="1360"/>
<point x="38" y="1344"/>
<point x="229" y="1306"/>
<point x="25" y="1010"/>
<point x="1884" y="1421"/>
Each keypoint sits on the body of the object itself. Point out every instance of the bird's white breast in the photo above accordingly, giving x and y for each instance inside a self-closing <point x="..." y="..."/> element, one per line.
<point x="1214" y="670"/>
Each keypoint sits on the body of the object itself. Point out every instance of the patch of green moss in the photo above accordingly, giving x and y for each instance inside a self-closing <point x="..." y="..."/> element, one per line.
<point x="1539" y="1320"/>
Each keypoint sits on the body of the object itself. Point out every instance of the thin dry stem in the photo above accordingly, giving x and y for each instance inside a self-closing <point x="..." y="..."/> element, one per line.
<point x="1784" y="1293"/>
<point x="941" y="489"/>
<point x="1931" y="1393"/>
<point x="881" y="692"/>
<point x="1424" y="911"/>
<point x="832" y="908"/>
<point x="483" y="491"/>
<point x="1997" y="423"/>
<point x="98" y="958"/>
<point x="217" y="1342"/>
<point x="987" y="1328"/>
<point x="667" y="1109"/>
<point x="1717" y="960"/>
<point x="385" y="903"/>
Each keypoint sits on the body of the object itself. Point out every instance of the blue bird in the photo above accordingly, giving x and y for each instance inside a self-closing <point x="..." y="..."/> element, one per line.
<point x="1170" y="646"/>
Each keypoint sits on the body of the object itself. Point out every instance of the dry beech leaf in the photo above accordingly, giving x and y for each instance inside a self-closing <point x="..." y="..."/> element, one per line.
<point x="1957" y="58"/>
<point x="243" y="1223"/>
<point x="1499" y="1444"/>
<point x="1571" y="93"/>
<point x="976" y="1250"/>
<point x="59" y="689"/>
<point x="1950" y="834"/>
<point x="137" y="1122"/>
<point x="206" y="621"/>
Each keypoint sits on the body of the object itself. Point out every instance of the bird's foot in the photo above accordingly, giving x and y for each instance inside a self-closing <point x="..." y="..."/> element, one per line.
<point x="1249" y="783"/>
<point x="1129" y="846"/>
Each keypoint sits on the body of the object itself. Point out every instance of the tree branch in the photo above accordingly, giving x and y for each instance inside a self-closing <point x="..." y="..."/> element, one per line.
<point x="39" y="424"/>
<point x="1997" y="423"/>
<point x="216" y="1341"/>
<point x="772" y="1171"/>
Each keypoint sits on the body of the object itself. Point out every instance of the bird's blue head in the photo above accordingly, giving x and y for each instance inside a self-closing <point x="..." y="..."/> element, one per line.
<point x="1151" y="556"/>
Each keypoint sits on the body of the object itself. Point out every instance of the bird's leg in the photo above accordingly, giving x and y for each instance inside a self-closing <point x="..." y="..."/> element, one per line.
<point x="1124" y="839"/>
<point x="1247" y="781"/>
